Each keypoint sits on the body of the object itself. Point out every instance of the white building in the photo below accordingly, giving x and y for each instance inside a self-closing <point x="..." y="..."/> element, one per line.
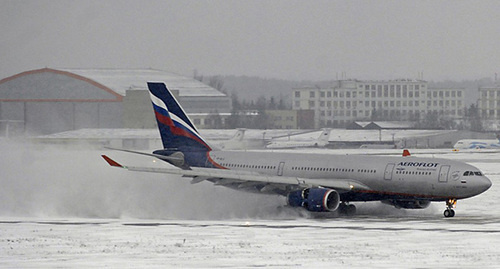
<point x="489" y="102"/>
<point x="354" y="100"/>
<point x="488" y="106"/>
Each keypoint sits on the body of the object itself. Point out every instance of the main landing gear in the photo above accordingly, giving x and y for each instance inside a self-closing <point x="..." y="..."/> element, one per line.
<point x="347" y="209"/>
<point x="450" y="204"/>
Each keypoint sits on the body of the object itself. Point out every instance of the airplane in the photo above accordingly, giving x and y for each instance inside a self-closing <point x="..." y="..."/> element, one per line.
<point x="315" y="182"/>
<point x="236" y="142"/>
<point x="322" y="141"/>
<point x="477" y="144"/>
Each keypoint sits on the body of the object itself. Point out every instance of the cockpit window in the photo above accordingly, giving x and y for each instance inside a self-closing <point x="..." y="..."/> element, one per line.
<point x="472" y="173"/>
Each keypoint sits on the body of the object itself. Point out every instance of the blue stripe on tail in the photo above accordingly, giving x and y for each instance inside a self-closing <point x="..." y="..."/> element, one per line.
<point x="177" y="132"/>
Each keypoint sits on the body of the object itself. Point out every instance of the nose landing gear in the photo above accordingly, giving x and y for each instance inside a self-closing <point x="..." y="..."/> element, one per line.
<point x="450" y="204"/>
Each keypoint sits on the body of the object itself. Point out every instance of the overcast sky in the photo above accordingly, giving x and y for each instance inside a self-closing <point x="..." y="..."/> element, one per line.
<point x="317" y="40"/>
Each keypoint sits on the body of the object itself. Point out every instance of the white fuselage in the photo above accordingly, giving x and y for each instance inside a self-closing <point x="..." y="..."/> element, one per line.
<point x="477" y="144"/>
<point x="429" y="178"/>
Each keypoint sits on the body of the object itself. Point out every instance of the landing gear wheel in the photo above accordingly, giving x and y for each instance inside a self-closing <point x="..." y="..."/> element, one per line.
<point x="449" y="213"/>
<point x="347" y="209"/>
<point x="351" y="210"/>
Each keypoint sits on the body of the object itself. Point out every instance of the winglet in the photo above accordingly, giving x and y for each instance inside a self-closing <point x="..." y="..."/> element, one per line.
<point x="111" y="161"/>
<point x="406" y="153"/>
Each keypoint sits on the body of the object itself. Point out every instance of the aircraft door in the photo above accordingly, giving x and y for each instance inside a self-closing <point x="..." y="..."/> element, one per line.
<point x="388" y="171"/>
<point x="443" y="173"/>
<point x="280" y="168"/>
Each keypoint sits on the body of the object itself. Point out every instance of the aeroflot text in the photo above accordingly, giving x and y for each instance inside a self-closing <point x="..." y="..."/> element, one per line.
<point x="416" y="164"/>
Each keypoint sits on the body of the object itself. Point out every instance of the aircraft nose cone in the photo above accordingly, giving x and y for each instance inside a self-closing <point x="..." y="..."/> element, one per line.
<point x="483" y="184"/>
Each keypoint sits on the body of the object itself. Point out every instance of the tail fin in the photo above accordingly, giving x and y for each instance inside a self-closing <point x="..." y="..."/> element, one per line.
<point x="177" y="132"/>
<point x="324" y="137"/>
<point x="238" y="136"/>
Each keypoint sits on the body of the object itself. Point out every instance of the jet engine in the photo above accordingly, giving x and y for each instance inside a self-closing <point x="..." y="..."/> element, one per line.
<point x="315" y="199"/>
<point x="408" y="204"/>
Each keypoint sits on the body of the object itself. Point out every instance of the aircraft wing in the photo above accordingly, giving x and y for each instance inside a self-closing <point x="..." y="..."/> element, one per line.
<point x="224" y="177"/>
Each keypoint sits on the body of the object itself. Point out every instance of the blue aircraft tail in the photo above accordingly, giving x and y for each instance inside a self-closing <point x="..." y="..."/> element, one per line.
<point x="177" y="132"/>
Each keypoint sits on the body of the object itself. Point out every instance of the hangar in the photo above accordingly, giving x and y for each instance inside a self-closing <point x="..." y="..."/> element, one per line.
<point x="46" y="101"/>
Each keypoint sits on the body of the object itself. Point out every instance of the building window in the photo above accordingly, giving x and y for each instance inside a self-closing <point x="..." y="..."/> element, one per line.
<point x="312" y="94"/>
<point x="297" y="94"/>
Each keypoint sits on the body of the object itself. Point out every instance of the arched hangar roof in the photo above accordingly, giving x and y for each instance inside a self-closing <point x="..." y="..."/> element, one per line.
<point x="90" y="85"/>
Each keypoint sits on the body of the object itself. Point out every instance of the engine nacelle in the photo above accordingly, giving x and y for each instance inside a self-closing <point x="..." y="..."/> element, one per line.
<point x="315" y="199"/>
<point x="408" y="204"/>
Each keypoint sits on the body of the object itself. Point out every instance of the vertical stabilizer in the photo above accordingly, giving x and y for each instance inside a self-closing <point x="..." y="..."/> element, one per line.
<point x="324" y="137"/>
<point x="176" y="130"/>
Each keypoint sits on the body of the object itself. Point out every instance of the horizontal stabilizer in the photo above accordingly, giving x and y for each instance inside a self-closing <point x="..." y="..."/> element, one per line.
<point x="173" y="157"/>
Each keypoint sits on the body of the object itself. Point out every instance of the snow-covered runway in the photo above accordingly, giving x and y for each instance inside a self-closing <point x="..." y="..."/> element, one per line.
<point x="363" y="242"/>
<point x="66" y="208"/>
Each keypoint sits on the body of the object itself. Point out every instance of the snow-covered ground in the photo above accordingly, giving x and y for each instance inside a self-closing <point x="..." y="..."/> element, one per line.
<point x="67" y="208"/>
